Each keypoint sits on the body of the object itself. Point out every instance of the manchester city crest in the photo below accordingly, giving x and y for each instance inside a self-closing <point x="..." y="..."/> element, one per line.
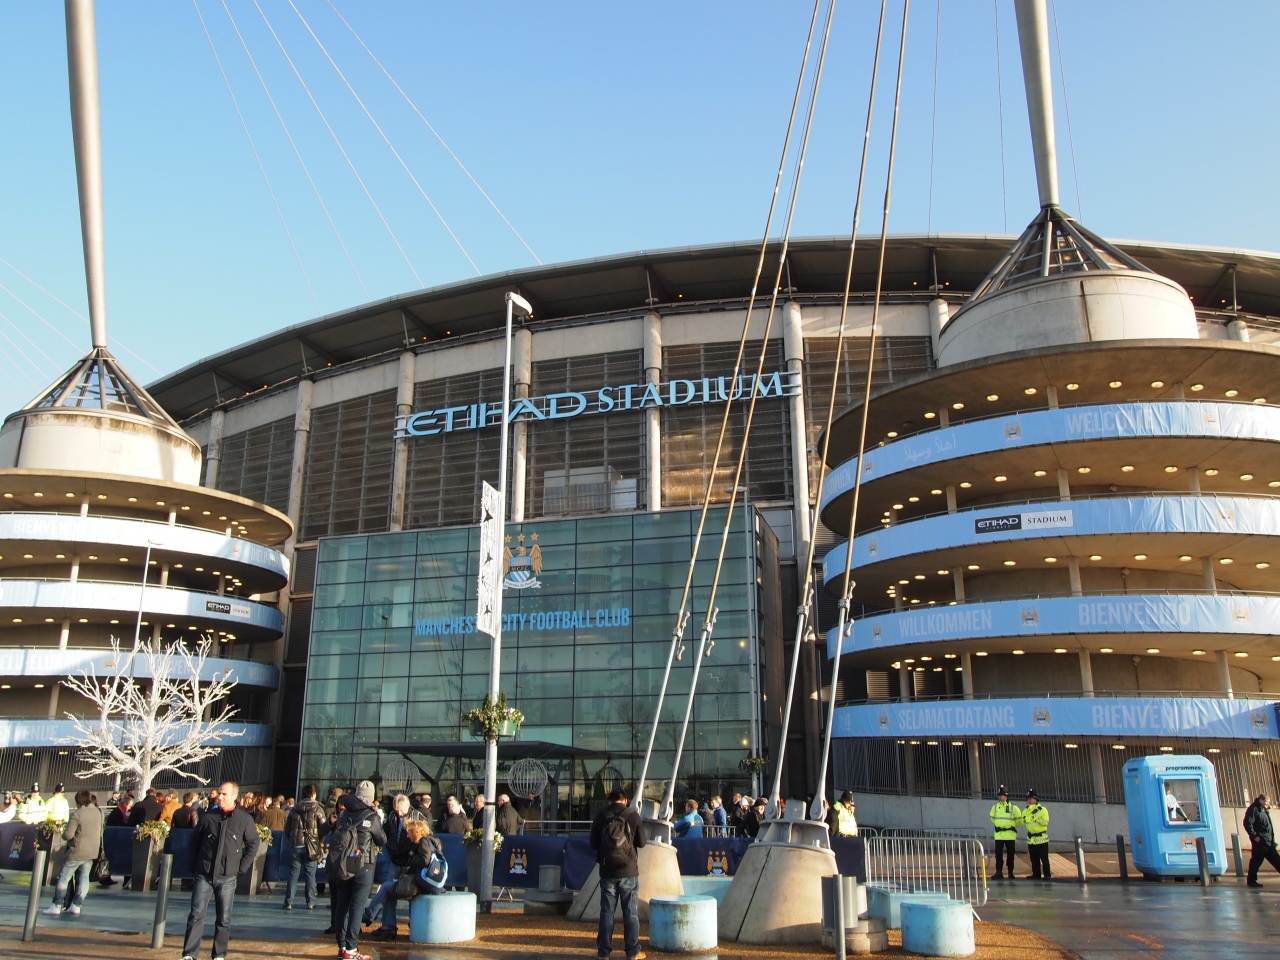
<point x="520" y="570"/>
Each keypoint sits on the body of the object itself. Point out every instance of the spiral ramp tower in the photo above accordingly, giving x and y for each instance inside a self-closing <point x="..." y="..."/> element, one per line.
<point x="105" y="532"/>
<point x="1067" y="539"/>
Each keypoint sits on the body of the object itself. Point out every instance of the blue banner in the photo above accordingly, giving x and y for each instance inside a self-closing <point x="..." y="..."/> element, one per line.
<point x="1240" y="719"/>
<point x="1039" y="427"/>
<point x="1220" y="615"/>
<point x="1241" y="516"/>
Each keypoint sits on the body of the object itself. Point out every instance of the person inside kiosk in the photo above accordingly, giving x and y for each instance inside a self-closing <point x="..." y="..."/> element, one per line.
<point x="1182" y="801"/>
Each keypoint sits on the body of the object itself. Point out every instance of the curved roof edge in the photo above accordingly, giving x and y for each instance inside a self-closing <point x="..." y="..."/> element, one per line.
<point x="645" y="279"/>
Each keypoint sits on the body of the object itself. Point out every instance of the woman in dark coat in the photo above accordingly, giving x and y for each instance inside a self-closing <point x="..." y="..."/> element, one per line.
<point x="423" y="845"/>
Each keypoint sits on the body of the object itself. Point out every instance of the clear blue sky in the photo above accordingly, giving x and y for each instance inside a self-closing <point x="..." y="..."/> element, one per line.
<point x="597" y="128"/>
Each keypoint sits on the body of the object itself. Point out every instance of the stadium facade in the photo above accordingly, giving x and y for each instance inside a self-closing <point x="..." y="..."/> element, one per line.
<point x="1054" y="443"/>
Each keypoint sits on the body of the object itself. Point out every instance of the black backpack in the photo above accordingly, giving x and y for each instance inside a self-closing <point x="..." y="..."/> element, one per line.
<point x="346" y="855"/>
<point x="616" y="849"/>
<point x="294" y="831"/>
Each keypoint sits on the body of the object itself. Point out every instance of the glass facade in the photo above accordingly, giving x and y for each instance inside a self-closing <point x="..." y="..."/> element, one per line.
<point x="394" y="655"/>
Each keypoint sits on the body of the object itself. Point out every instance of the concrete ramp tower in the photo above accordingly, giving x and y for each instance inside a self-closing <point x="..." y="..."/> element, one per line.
<point x="1059" y="283"/>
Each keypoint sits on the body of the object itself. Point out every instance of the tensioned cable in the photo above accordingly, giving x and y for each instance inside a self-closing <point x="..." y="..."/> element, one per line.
<point x="933" y="123"/>
<point x="284" y="126"/>
<point x="341" y="149"/>
<point x="1004" y="189"/>
<point x="35" y="346"/>
<point x="434" y="133"/>
<point x="806" y="593"/>
<point x="847" y="584"/>
<point x="254" y="148"/>
<point x="30" y="362"/>
<point x="68" y="306"/>
<point x="708" y="625"/>
<point x="1066" y="103"/>
<point x="677" y="634"/>
<point x="385" y="138"/>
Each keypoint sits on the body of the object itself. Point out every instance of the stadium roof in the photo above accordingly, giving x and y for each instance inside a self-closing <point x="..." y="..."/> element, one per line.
<point x="673" y="278"/>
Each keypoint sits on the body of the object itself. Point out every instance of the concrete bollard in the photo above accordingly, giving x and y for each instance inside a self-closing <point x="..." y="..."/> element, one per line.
<point x="888" y="903"/>
<point x="1202" y="860"/>
<point x="550" y="899"/>
<point x="684" y="924"/>
<point x="33" y="897"/>
<point x="1120" y="854"/>
<point x="443" y="917"/>
<point x="1081" y="875"/>
<point x="549" y="878"/>
<point x="940" y="929"/>
<point x="1235" y="850"/>
<point x="836" y="916"/>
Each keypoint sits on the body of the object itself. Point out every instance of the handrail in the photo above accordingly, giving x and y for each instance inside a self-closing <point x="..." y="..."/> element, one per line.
<point x="1064" y="694"/>
<point x="126" y="583"/>
<point x="103" y="516"/>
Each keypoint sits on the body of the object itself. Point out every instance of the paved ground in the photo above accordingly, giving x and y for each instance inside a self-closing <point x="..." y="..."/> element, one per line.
<point x="1111" y="920"/>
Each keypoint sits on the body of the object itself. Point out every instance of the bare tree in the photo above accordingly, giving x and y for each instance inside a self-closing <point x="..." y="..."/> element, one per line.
<point x="154" y="712"/>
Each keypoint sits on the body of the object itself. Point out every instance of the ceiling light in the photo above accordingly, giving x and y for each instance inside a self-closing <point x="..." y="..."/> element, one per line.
<point x="38" y="686"/>
<point x="915" y="601"/>
<point x="115" y="621"/>
<point x="980" y="653"/>
<point x="913" y="499"/>
<point x="1018" y="653"/>
<point x="1029" y="391"/>
<point x="993" y="397"/>
<point x="1262" y="566"/>
<point x="1153" y="649"/>
<point x="1166" y="749"/>
<point x="1105" y="650"/>
<point x="102" y="496"/>
<point x="71" y="495"/>
<point x="897" y="506"/>
<point x="1157" y="384"/>
<point x="943" y="573"/>
<point x="909" y="660"/>
<point x="1073" y="386"/>
<point x="1059" y="649"/>
<point x="1211" y="472"/>
<point x="1139" y="556"/>
<point x="957" y="406"/>
<point x="1246" y="476"/>
<point x="1050" y="559"/>
<point x="892" y="433"/>
<point x="1115" y="383"/>
<point x="904" y="582"/>
<point x="1225" y="560"/>
<point x="1241" y="653"/>
<point x="28" y="556"/>
<point x="1071" y="746"/>
<point x="966" y="485"/>
<point x="48" y="619"/>
<point x="1117" y="746"/>
<point x="948" y="656"/>
<point x="1233" y="393"/>
<point x="918" y="576"/>
<point x="1011" y="563"/>
<point x="1197" y="653"/>
<point x="930" y="415"/>
<point x="1001" y="478"/>
<point x="204" y="513"/>
<point x="1273" y="483"/>
<point x="896" y="665"/>
<point x="60" y="556"/>
<point x="1170" y="469"/>
<point x="1184" y="558"/>
<point x="938" y="492"/>
<point x="1082" y="469"/>
<point x="1274" y="659"/>
<point x="1095" y="556"/>
<point x="84" y="620"/>
<point x="972" y="566"/>
<point x="987" y="743"/>
<point x="1127" y="468"/>
<point x="124" y="559"/>
<point x="92" y="557"/>
<point x="925" y="659"/>
<point x="1040" y="473"/>
<point x="1259" y="399"/>
<point x="1197" y="387"/>
<point x="133" y="499"/>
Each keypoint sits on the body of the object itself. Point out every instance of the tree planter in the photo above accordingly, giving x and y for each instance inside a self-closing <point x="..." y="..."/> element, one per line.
<point x="56" y="847"/>
<point x="146" y="865"/>
<point x="247" y="884"/>
<point x="507" y="729"/>
<point x="474" y="859"/>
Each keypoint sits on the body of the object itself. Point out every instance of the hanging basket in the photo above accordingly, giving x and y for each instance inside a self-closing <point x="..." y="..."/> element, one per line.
<point x="504" y="728"/>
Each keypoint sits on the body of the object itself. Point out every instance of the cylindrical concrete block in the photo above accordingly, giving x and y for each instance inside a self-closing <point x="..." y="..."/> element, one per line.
<point x="684" y="924"/>
<point x="549" y="878"/>
<point x="442" y="917"/>
<point x="938" y="929"/>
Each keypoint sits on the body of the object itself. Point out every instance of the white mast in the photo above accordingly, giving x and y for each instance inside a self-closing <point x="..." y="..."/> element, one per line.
<point x="1033" y="38"/>
<point x="86" y="131"/>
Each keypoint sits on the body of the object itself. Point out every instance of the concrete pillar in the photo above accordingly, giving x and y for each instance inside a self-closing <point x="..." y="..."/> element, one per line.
<point x="65" y="636"/>
<point x="1086" y="673"/>
<point x="1051" y="393"/>
<point x="909" y="758"/>
<point x="975" y="771"/>
<point x="1099" y="778"/>
<point x="400" y="453"/>
<point x="939" y="313"/>
<point x="75" y="567"/>
<point x="1193" y="479"/>
<point x="793" y="348"/>
<point x="522" y="377"/>
<point x="53" y="700"/>
<point x="1237" y="330"/>
<point x="298" y="470"/>
<point x="213" y="459"/>
<point x="652" y="415"/>
<point x="1224" y="675"/>
<point x="1179" y="391"/>
<point x="957" y="576"/>
<point x="966" y="675"/>
<point x="952" y="506"/>
<point x="164" y="574"/>
<point x="1210" y="583"/>
<point x="904" y="683"/>
<point x="1064" y="485"/>
<point x="893" y="518"/>
<point x="944" y="416"/>
<point x="1073" y="571"/>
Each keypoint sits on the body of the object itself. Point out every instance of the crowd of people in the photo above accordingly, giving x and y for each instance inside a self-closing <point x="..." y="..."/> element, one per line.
<point x="744" y="815"/>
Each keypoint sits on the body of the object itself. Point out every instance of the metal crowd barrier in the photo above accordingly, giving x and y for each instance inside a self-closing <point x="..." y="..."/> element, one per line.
<point x="955" y="866"/>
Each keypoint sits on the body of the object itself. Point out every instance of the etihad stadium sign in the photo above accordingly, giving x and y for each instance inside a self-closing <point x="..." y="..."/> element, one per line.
<point x="631" y="396"/>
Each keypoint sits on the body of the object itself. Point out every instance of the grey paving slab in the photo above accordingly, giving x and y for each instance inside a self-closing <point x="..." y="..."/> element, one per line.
<point x="1111" y="920"/>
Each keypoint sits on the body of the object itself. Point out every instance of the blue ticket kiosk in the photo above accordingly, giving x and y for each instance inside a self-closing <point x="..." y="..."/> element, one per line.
<point x="1172" y="800"/>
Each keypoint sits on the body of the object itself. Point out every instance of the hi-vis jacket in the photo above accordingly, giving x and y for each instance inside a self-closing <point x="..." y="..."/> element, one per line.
<point x="1005" y="817"/>
<point x="1037" y="821"/>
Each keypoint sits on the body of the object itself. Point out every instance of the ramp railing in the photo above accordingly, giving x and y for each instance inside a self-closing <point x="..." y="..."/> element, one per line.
<point x="955" y="866"/>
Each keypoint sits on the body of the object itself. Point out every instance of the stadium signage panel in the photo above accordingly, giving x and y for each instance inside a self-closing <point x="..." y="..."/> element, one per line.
<point x="608" y="399"/>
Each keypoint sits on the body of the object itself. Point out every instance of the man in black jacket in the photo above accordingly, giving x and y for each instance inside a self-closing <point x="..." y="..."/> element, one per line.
<point x="616" y="835"/>
<point x="302" y="834"/>
<point x="225" y="844"/>
<point x="351" y="895"/>
<point x="1257" y="824"/>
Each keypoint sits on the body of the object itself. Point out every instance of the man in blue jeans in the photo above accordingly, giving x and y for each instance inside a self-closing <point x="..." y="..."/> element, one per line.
<point x="225" y="844"/>
<point x="616" y="836"/>
<point x="302" y="831"/>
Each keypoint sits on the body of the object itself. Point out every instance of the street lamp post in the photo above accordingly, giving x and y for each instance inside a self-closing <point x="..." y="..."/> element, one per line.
<point x="142" y="593"/>
<point x="515" y="302"/>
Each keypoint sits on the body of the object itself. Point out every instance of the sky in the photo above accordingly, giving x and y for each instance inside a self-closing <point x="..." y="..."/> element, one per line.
<point x="595" y="129"/>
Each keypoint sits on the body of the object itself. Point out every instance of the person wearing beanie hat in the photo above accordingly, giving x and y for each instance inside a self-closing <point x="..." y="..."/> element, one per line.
<point x="359" y="821"/>
<point x="1005" y="817"/>
<point x="1037" y="820"/>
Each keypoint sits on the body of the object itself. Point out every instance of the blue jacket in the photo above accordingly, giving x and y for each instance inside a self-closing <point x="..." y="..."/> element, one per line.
<point x="719" y="817"/>
<point x="690" y="825"/>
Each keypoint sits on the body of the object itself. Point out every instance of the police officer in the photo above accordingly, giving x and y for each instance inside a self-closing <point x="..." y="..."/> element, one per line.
<point x="33" y="810"/>
<point x="1005" y="817"/>
<point x="59" y="809"/>
<point x="846" y="823"/>
<point x="1036" y="818"/>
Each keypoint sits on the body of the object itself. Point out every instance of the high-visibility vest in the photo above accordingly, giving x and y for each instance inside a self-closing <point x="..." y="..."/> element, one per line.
<point x="846" y="824"/>
<point x="1005" y="817"/>
<point x="1037" y="821"/>
<point x="33" y="811"/>
<point x="59" y="809"/>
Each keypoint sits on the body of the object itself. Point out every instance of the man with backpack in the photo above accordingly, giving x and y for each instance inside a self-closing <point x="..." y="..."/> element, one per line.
<point x="225" y="844"/>
<point x="354" y="842"/>
<point x="302" y="832"/>
<point x="616" y="835"/>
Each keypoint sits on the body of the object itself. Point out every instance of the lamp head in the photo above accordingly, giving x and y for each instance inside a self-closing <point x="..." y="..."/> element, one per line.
<point x="520" y="304"/>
